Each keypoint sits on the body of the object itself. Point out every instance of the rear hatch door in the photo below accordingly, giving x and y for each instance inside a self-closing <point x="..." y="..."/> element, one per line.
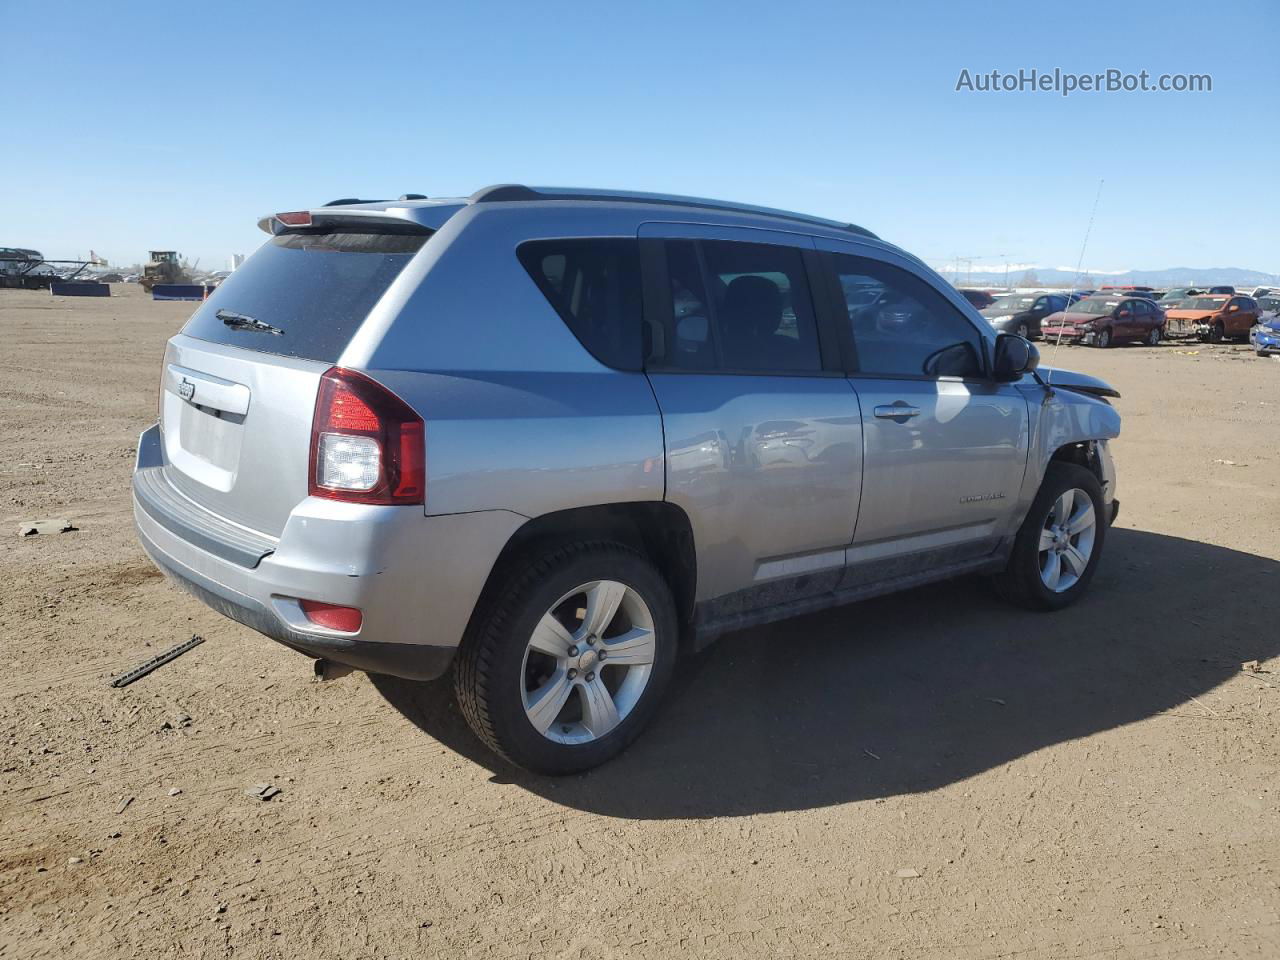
<point x="240" y="381"/>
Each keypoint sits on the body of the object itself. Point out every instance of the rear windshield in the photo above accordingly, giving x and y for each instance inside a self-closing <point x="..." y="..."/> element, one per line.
<point x="304" y="295"/>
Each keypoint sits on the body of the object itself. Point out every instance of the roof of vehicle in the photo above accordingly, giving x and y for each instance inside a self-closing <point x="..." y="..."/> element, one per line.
<point x="518" y="193"/>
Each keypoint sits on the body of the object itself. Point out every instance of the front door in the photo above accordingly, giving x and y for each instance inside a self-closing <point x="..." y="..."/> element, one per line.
<point x="1240" y="317"/>
<point x="763" y="435"/>
<point x="945" y="447"/>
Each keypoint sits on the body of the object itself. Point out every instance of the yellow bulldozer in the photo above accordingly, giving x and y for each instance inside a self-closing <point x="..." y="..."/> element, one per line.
<point x="163" y="266"/>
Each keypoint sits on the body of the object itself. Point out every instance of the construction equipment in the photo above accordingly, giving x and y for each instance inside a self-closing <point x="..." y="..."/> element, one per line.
<point x="163" y="266"/>
<point x="28" y="269"/>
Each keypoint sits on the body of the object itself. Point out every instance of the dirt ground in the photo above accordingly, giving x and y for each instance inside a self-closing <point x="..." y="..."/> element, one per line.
<point x="930" y="775"/>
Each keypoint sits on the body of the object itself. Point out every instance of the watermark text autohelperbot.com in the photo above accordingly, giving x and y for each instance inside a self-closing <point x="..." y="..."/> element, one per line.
<point x="1065" y="84"/>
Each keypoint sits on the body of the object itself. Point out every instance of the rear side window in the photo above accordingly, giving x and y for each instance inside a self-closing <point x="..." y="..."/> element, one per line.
<point x="315" y="289"/>
<point x="594" y="285"/>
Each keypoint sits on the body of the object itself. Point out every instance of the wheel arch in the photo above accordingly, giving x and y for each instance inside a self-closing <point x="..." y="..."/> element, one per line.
<point x="657" y="529"/>
<point x="1084" y="453"/>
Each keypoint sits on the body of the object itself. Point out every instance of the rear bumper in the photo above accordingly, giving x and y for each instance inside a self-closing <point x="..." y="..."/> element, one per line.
<point x="414" y="578"/>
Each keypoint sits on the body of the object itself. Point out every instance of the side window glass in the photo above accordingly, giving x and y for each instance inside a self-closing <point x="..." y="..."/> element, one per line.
<point x="689" y="344"/>
<point x="594" y="284"/>
<point x="1042" y="303"/>
<point x="762" y="310"/>
<point x="903" y="327"/>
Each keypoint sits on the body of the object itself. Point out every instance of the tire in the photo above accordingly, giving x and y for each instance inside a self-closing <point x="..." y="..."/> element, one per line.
<point x="1023" y="332"/>
<point x="1023" y="580"/>
<point x="1217" y="333"/>
<point x="1153" y="337"/>
<point x="500" y="677"/>
<point x="1103" y="340"/>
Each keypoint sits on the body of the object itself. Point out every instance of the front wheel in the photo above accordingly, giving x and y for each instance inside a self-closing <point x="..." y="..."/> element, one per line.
<point x="1217" y="333"/>
<point x="1103" y="339"/>
<point x="1023" y="332"/>
<point x="564" y="665"/>
<point x="1057" y="549"/>
<point x="1153" y="337"/>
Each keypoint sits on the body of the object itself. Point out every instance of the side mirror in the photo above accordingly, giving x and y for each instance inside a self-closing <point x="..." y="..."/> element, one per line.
<point x="1233" y="308"/>
<point x="1124" y="313"/>
<point x="1014" y="356"/>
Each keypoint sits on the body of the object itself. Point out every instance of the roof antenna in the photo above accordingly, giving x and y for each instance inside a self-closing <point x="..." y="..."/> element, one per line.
<point x="1048" y="383"/>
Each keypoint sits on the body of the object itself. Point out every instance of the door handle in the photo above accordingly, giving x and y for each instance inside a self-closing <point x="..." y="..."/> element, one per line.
<point x="898" y="410"/>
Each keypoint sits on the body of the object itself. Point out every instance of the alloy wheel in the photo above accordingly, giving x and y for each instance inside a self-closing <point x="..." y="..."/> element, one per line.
<point x="588" y="662"/>
<point x="1066" y="542"/>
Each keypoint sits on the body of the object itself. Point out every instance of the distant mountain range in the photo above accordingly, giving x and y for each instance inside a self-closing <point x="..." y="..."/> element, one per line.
<point x="1172" y="277"/>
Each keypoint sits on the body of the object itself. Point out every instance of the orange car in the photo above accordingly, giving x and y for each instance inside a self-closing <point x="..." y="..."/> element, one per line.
<point x="1216" y="316"/>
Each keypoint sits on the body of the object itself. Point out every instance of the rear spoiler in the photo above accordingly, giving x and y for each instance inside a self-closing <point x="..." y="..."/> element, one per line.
<point x="345" y="220"/>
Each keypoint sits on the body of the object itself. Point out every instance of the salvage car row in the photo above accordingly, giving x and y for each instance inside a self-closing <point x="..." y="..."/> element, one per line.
<point x="1116" y="315"/>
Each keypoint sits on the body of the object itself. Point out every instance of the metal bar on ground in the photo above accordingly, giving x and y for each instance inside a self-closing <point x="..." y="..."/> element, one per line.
<point x="142" y="670"/>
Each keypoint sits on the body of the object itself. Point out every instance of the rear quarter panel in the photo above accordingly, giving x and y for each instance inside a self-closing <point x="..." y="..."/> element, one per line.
<point x="519" y="416"/>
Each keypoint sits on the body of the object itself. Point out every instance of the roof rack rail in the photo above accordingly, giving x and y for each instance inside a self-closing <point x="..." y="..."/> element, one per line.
<point x="504" y="192"/>
<point x="347" y="201"/>
<point x="414" y="196"/>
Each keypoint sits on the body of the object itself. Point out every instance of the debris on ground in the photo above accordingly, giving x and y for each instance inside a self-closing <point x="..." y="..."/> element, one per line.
<point x="138" y="672"/>
<point x="908" y="873"/>
<point x="175" y="791"/>
<point x="1230" y="463"/>
<point x="124" y="802"/>
<point x="873" y="756"/>
<point x="36" y="528"/>
<point x="72" y="861"/>
<point x="997" y="701"/>
<point x="181" y="720"/>
<point x="262" y="791"/>
<point x="1252" y="666"/>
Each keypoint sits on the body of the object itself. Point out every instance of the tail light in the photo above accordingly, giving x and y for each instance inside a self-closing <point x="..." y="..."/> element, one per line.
<point x="367" y="445"/>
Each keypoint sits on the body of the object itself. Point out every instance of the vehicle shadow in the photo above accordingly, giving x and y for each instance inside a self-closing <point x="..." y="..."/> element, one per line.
<point x="915" y="691"/>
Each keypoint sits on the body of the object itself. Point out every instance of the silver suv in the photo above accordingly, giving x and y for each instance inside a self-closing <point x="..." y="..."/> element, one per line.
<point x="553" y="438"/>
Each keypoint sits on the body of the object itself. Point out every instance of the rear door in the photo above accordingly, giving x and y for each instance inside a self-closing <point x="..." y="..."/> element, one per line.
<point x="240" y="381"/>
<point x="763" y="434"/>
<point x="944" y="446"/>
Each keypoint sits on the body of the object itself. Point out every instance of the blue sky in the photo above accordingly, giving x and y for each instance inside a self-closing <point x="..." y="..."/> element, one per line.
<point x="178" y="130"/>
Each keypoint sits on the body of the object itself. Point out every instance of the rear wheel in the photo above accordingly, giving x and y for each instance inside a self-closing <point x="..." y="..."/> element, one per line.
<point x="565" y="664"/>
<point x="1103" y="339"/>
<point x="1060" y="542"/>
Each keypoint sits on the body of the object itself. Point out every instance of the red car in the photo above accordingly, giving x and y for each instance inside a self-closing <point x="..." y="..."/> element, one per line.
<point x="1106" y="319"/>
<point x="979" y="298"/>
